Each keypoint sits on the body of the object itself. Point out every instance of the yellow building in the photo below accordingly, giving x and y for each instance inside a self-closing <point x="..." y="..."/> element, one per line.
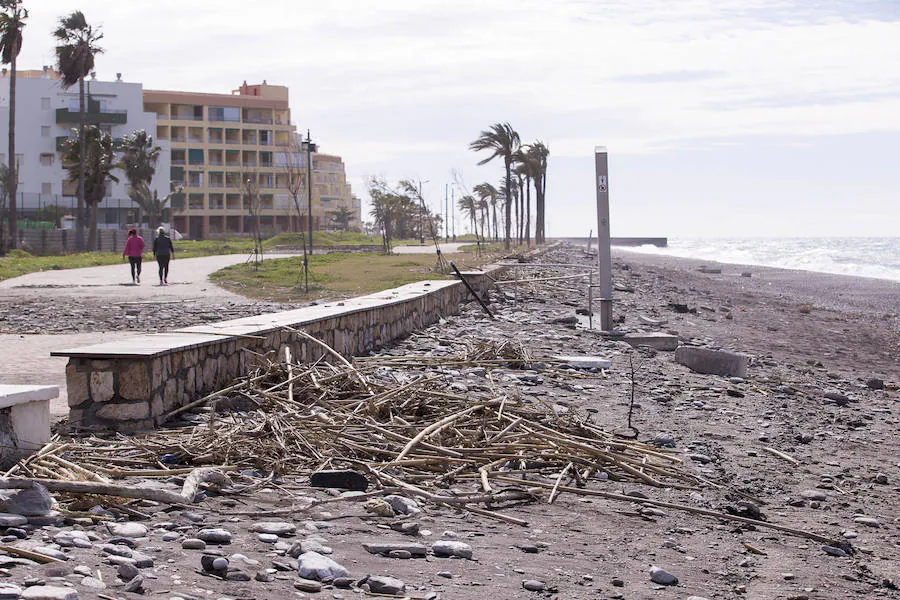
<point x="234" y="153"/>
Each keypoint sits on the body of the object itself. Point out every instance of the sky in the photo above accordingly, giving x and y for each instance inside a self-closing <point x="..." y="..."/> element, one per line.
<point x="722" y="118"/>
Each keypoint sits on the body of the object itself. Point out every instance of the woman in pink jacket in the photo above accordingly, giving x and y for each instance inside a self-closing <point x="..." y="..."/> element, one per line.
<point x="134" y="248"/>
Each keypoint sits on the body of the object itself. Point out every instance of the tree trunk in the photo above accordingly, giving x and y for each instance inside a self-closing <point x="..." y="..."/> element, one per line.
<point x="79" y="217"/>
<point x="12" y="183"/>
<point x="494" y="211"/>
<point x="506" y="244"/>
<point x="92" y="233"/>
<point x="528" y="210"/>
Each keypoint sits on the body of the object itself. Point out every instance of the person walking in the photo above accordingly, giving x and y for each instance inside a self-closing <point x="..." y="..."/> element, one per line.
<point x="134" y="249"/>
<point x="163" y="251"/>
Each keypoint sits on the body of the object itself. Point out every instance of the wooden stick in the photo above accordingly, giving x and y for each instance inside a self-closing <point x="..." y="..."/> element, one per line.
<point x="434" y="428"/>
<point x="786" y="457"/>
<point x="559" y="479"/>
<point x="29" y="554"/>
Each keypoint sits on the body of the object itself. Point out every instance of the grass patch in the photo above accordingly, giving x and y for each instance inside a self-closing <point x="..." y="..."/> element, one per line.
<point x="334" y="275"/>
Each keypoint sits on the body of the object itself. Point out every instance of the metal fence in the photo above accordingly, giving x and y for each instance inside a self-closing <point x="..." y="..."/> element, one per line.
<point x="112" y="213"/>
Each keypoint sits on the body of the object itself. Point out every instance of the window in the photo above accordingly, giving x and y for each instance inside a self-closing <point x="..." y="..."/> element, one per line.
<point x="195" y="156"/>
<point x="45" y="103"/>
<point x="225" y="113"/>
<point x="46" y="159"/>
<point x="46" y="188"/>
<point x="45" y="131"/>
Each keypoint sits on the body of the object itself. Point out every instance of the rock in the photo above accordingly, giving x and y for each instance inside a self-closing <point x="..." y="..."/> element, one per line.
<point x="127" y="529"/>
<point x="406" y="527"/>
<point x="445" y="574"/>
<point x="127" y="571"/>
<point x="713" y="362"/>
<point x="696" y="598"/>
<point x="869" y="521"/>
<point x="874" y="383"/>
<point x="312" y="565"/>
<point x="53" y="552"/>
<point x="12" y="520"/>
<point x="881" y="479"/>
<point x="93" y="583"/>
<point x="33" y="501"/>
<point x="142" y="561"/>
<point x="834" y="551"/>
<point x="344" y="583"/>
<point x="9" y="591"/>
<point x="193" y="544"/>
<point x="663" y="440"/>
<point x="379" y="584"/>
<point x="401" y="554"/>
<point x="212" y="563"/>
<point x="264" y="576"/>
<point x="345" y="480"/>
<point x="446" y="548"/>
<point x="237" y="575"/>
<point x="267" y="538"/>
<point x="403" y="505"/>
<point x="379" y="507"/>
<point x="817" y="495"/>
<point x="308" y="545"/>
<point x="533" y="585"/>
<point x="662" y="577"/>
<point x="528" y="548"/>
<point x="308" y="585"/>
<point x="135" y="585"/>
<point x="838" y="398"/>
<point x="385" y="548"/>
<point x="215" y="535"/>
<point x="279" y="528"/>
<point x="49" y="592"/>
<point x="658" y="341"/>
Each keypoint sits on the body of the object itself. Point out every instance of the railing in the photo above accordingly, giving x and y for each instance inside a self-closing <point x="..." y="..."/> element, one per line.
<point x="263" y="120"/>
<point x="216" y="162"/>
<point x="227" y="141"/>
<point x="216" y="184"/>
<point x="186" y="118"/>
<point x="222" y="120"/>
<point x="178" y="161"/>
<point x="115" y="117"/>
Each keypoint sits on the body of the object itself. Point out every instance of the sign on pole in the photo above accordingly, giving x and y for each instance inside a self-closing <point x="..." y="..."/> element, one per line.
<point x="604" y="255"/>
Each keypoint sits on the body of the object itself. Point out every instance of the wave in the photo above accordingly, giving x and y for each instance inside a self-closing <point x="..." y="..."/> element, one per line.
<point x="878" y="258"/>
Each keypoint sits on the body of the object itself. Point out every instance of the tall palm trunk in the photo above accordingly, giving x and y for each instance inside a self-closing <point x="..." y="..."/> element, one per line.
<point x="13" y="174"/>
<point x="507" y="163"/>
<point x="528" y="210"/>
<point x="494" y="211"/>
<point x="79" y="217"/>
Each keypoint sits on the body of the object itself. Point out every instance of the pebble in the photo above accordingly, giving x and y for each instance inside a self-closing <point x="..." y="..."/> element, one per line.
<point x="127" y="571"/>
<point x="193" y="544"/>
<point x="533" y="585"/>
<point x="881" y="479"/>
<point x="52" y="552"/>
<point x="127" y="530"/>
<point x="11" y="520"/>
<point x="662" y="576"/>
<point x="834" y="551"/>
<point x="9" y="591"/>
<point x="868" y="521"/>
<point x="279" y="528"/>
<point x="403" y="505"/>
<point x="379" y="584"/>
<point x="817" y="495"/>
<point x="267" y="538"/>
<point x="312" y="565"/>
<point x="445" y="574"/>
<point x="308" y="585"/>
<point x="49" y="592"/>
<point x="215" y="536"/>
<point x="446" y="548"/>
<point x="237" y="575"/>
<point x="93" y="583"/>
<point x="135" y="585"/>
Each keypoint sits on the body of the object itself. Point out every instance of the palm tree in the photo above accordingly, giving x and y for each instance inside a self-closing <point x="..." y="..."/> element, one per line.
<point x="12" y="21"/>
<point x="91" y="165"/>
<point x="539" y="152"/>
<point x="468" y="206"/>
<point x="138" y="162"/>
<point x="525" y="166"/>
<point x="488" y="194"/>
<point x="502" y="141"/>
<point x="75" y="52"/>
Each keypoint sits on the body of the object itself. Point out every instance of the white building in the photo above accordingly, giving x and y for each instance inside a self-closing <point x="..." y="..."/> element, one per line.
<point x="46" y="114"/>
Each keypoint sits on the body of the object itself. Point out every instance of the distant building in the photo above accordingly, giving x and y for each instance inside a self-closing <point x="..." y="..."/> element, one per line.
<point x="234" y="152"/>
<point x="45" y="116"/>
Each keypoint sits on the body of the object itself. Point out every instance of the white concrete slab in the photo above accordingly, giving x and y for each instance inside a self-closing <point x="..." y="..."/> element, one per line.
<point x="10" y="395"/>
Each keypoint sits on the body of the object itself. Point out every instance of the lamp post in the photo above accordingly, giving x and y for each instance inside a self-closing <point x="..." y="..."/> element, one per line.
<point x="310" y="148"/>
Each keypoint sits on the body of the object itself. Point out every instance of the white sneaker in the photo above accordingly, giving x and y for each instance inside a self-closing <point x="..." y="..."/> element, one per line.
<point x="138" y="278"/>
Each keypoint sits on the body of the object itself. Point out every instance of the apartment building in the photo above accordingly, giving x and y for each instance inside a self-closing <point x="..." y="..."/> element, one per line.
<point x="234" y="154"/>
<point x="46" y="115"/>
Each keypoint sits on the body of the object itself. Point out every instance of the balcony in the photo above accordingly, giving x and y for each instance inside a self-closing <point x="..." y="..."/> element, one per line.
<point x="258" y="119"/>
<point x="92" y="117"/>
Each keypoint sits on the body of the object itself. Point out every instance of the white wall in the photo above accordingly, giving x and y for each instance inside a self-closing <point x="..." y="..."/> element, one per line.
<point x="37" y="100"/>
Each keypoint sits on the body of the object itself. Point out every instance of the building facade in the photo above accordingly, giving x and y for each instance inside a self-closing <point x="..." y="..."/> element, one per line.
<point x="236" y="156"/>
<point x="47" y="114"/>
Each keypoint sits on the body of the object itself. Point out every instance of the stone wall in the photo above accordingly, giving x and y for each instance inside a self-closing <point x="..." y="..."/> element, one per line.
<point x="112" y="387"/>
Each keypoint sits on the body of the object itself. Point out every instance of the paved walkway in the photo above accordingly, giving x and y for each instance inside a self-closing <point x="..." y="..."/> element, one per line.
<point x="429" y="248"/>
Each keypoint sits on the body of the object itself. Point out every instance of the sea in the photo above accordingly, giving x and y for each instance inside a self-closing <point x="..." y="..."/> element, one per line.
<point x="876" y="257"/>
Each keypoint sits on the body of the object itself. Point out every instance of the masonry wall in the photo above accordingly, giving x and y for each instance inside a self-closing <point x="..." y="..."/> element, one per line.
<point x="129" y="395"/>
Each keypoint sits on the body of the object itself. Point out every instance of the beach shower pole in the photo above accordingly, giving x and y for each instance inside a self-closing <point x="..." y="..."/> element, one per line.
<point x="604" y="255"/>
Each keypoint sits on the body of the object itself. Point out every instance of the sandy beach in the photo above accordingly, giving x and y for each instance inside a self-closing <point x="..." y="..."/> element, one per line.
<point x="807" y="441"/>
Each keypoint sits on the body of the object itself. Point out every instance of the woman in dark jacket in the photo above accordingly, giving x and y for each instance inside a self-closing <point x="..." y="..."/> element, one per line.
<point x="163" y="251"/>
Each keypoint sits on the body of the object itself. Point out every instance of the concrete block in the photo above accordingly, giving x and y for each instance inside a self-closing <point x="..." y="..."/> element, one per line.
<point x="713" y="362"/>
<point x="585" y="362"/>
<point x="26" y="419"/>
<point x="658" y="341"/>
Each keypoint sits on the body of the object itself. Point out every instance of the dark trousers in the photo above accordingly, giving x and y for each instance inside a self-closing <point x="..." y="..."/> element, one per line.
<point x="135" y="262"/>
<point x="163" y="261"/>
